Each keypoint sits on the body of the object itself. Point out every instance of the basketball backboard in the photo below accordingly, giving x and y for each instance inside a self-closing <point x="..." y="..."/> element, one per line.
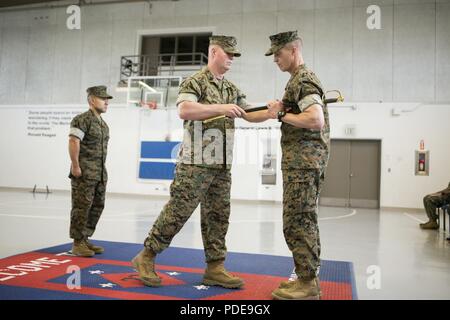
<point x="155" y="92"/>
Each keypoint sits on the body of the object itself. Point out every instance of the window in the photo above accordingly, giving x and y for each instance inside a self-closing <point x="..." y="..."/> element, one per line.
<point x="167" y="48"/>
<point x="202" y="44"/>
<point x="186" y="49"/>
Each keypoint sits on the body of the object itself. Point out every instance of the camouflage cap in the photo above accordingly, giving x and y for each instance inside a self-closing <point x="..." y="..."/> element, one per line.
<point x="227" y="43"/>
<point x="279" y="40"/>
<point x="98" y="91"/>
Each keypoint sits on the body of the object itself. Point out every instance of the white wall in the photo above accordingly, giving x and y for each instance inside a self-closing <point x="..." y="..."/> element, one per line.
<point x="42" y="63"/>
<point x="28" y="160"/>
<point x="44" y="161"/>
<point x="400" y="136"/>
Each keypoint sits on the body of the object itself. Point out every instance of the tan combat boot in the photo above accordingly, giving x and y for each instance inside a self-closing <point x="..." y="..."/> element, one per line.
<point x="286" y="284"/>
<point x="431" y="224"/>
<point x="300" y="290"/>
<point x="93" y="247"/>
<point x="216" y="275"/>
<point x="289" y="283"/>
<point x="144" y="263"/>
<point x="80" y="249"/>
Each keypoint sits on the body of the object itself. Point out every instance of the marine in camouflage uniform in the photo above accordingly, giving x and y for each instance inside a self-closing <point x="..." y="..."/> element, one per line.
<point x="431" y="203"/>
<point x="202" y="176"/>
<point x="305" y="154"/>
<point x="91" y="133"/>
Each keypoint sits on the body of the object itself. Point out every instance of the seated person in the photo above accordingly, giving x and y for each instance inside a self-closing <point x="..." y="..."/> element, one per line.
<point x="433" y="201"/>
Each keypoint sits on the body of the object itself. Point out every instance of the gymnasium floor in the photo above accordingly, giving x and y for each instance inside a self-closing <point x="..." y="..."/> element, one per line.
<point x="413" y="263"/>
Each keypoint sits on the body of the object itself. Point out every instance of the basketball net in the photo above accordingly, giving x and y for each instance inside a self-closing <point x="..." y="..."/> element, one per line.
<point x="149" y="105"/>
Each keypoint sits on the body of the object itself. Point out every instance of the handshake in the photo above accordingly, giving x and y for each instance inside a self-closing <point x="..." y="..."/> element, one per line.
<point x="273" y="106"/>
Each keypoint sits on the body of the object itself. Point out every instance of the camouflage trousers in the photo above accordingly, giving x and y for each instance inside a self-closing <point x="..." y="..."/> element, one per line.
<point x="301" y="190"/>
<point x="435" y="200"/>
<point x="88" y="201"/>
<point x="192" y="186"/>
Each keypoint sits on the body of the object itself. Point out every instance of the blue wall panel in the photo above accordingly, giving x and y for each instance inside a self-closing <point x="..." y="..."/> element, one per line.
<point x="156" y="170"/>
<point x="159" y="149"/>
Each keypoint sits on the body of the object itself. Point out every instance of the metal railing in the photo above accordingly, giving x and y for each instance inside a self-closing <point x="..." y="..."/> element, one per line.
<point x="154" y="64"/>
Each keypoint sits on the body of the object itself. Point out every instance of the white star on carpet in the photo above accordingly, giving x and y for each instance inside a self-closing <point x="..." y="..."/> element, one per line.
<point x="96" y="271"/>
<point x="202" y="287"/>
<point x="68" y="253"/>
<point x="107" y="285"/>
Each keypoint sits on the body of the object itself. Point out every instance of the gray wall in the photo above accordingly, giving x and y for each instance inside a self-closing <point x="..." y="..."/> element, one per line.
<point x="41" y="61"/>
